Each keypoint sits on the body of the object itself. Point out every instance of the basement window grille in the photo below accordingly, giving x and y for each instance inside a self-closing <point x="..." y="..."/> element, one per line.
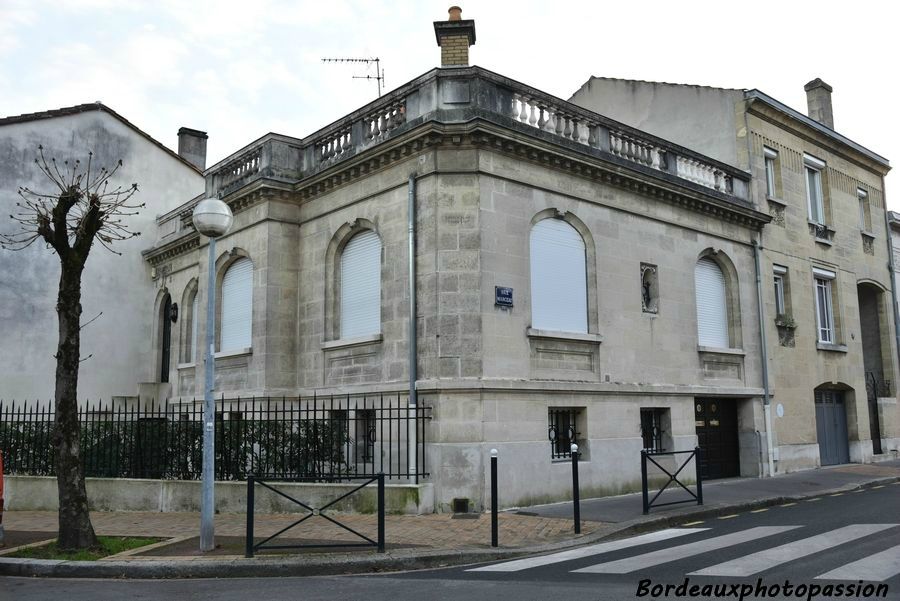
<point x="651" y="430"/>
<point x="562" y="431"/>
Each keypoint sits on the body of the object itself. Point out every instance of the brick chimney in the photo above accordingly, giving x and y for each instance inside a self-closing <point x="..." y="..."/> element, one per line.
<point x="192" y="146"/>
<point x="454" y="36"/>
<point x="818" y="99"/>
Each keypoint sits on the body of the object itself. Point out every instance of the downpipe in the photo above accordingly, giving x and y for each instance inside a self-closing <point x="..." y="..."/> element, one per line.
<point x="413" y="442"/>
<point x="767" y="405"/>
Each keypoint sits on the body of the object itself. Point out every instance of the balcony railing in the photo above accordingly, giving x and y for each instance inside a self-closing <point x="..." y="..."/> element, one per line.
<point x="459" y="96"/>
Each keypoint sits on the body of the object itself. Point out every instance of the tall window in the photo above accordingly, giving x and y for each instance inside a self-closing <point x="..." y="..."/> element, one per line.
<point x="190" y="320"/>
<point x="824" y="305"/>
<point x="558" y="277"/>
<point x="771" y="157"/>
<point x="780" y="273"/>
<point x="712" y="304"/>
<point x="237" y="306"/>
<point x="814" y="196"/>
<point x="361" y="285"/>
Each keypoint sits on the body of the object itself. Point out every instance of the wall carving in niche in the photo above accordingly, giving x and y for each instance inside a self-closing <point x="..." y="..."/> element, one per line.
<point x="649" y="288"/>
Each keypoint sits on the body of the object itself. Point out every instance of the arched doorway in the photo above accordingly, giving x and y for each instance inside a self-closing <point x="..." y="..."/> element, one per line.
<point x="873" y="325"/>
<point x="165" y="338"/>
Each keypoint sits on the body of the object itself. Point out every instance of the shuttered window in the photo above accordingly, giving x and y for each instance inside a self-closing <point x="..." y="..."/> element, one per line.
<point x="361" y="286"/>
<point x="195" y="320"/>
<point x="712" y="311"/>
<point x="237" y="306"/>
<point x="558" y="277"/>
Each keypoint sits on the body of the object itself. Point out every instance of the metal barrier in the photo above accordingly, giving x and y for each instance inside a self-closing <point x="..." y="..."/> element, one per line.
<point x="252" y="547"/>
<point x="673" y="477"/>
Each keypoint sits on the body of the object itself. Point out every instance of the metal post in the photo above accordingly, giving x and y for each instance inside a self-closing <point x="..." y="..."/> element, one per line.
<point x="699" y="476"/>
<point x="381" y="512"/>
<point x="251" y="484"/>
<point x="494" y="528"/>
<point x="644" y="493"/>
<point x="207" y="496"/>
<point x="576" y="500"/>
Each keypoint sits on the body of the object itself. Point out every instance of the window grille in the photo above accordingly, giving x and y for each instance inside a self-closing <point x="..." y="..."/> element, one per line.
<point x="651" y="430"/>
<point x="562" y="431"/>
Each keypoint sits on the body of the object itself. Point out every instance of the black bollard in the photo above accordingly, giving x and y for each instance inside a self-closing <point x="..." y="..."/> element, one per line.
<point x="576" y="496"/>
<point x="494" y="528"/>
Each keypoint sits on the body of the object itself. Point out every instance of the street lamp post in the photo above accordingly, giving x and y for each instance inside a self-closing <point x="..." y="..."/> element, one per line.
<point x="212" y="218"/>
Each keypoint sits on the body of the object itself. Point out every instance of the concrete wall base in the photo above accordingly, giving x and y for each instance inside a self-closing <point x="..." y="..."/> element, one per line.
<point x="39" y="493"/>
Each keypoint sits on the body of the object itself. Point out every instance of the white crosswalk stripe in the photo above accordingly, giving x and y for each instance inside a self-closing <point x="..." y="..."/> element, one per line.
<point x="639" y="562"/>
<point x="875" y="568"/>
<point x="589" y="551"/>
<point x="770" y="558"/>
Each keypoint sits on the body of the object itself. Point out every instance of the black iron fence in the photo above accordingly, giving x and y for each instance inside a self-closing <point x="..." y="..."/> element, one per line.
<point x="286" y="438"/>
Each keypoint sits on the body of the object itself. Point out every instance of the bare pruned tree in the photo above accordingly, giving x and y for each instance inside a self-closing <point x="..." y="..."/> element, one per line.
<point x="82" y="207"/>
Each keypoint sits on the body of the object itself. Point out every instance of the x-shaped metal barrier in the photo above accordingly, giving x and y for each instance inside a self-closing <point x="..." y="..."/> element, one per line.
<point x="673" y="477"/>
<point x="251" y="547"/>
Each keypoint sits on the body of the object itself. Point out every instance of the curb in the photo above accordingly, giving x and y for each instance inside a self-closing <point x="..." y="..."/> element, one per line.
<point x="337" y="564"/>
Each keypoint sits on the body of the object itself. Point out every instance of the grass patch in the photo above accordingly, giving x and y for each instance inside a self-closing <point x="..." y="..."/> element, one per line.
<point x="107" y="545"/>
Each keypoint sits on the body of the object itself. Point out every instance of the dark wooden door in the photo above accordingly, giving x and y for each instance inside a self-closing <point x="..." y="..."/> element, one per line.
<point x="717" y="436"/>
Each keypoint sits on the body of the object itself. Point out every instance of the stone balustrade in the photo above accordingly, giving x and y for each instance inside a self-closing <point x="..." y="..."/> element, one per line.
<point x="240" y="168"/>
<point x="463" y="95"/>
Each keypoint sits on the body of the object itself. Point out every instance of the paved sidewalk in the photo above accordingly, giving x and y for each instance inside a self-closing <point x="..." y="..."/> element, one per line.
<point x="436" y="531"/>
<point x="417" y="542"/>
<point x="728" y="493"/>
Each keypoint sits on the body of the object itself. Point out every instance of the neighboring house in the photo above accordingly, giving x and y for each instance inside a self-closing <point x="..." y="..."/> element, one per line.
<point x="829" y="295"/>
<point x="624" y="262"/>
<point x="116" y="286"/>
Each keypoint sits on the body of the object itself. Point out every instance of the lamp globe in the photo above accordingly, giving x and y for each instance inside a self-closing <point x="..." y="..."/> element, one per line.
<point x="212" y="217"/>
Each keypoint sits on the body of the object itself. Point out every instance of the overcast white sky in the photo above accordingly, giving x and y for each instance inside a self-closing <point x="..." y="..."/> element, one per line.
<point x="238" y="69"/>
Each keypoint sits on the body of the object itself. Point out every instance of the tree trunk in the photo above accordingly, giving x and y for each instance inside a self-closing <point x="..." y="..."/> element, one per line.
<point x="75" y="528"/>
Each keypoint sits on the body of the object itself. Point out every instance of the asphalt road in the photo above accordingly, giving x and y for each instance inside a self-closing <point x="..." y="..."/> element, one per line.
<point x="835" y="540"/>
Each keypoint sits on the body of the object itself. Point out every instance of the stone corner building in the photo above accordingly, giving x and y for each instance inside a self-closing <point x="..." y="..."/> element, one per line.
<point x="612" y="241"/>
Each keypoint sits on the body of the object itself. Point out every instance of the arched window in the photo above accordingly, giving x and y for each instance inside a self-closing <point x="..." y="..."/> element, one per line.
<point x="237" y="306"/>
<point x="195" y="320"/>
<point x="360" y="313"/>
<point x="712" y="304"/>
<point x="189" y="320"/>
<point x="558" y="277"/>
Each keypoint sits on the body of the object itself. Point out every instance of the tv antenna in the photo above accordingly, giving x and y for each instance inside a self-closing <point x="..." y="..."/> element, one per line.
<point x="379" y="72"/>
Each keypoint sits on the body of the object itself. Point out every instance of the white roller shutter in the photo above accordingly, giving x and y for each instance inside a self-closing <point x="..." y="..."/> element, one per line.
<point x="558" y="277"/>
<point x="712" y="311"/>
<point x="361" y="286"/>
<point x="195" y="324"/>
<point x="237" y="306"/>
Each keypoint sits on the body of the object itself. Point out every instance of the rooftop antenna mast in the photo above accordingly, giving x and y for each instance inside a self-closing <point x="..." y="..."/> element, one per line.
<point x="379" y="72"/>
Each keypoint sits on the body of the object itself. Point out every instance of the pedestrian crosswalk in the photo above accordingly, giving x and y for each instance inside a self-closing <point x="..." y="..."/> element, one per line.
<point x="877" y="567"/>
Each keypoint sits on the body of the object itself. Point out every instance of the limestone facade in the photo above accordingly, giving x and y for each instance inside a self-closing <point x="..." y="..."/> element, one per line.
<point x="743" y="127"/>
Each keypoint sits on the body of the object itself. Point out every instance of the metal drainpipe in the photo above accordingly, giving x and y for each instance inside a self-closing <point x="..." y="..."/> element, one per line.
<point x="413" y="333"/>
<point x="767" y="407"/>
<point x="890" y="249"/>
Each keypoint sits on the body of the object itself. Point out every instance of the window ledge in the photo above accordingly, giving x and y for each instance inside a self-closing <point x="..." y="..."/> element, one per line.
<point x="557" y="335"/>
<point x="777" y="201"/>
<point x="238" y="352"/>
<point x="190" y="365"/>
<point x="720" y="351"/>
<point x="347" y="342"/>
<point x="829" y="346"/>
<point x="867" y="234"/>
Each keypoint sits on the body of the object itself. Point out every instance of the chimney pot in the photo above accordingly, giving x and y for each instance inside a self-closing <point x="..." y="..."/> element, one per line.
<point x="455" y="36"/>
<point x="192" y="146"/>
<point x="818" y="102"/>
